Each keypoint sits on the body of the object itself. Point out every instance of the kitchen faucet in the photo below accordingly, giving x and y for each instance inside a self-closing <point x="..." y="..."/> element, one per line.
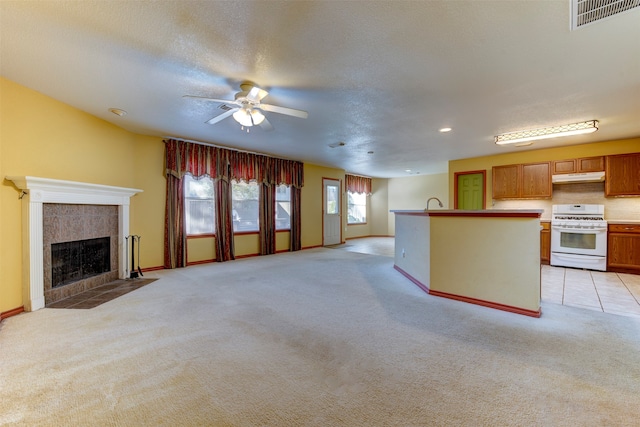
<point x="431" y="198"/>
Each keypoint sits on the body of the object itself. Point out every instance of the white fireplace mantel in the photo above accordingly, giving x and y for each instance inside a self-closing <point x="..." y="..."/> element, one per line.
<point x="36" y="192"/>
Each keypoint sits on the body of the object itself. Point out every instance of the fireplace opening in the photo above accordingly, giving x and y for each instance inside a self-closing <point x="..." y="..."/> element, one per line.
<point x="77" y="260"/>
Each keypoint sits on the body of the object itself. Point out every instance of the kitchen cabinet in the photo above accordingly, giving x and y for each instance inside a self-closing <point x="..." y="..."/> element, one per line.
<point x="545" y="242"/>
<point x="623" y="248"/>
<point x="580" y="165"/>
<point x="622" y="175"/>
<point x="506" y="182"/>
<point x="522" y="181"/>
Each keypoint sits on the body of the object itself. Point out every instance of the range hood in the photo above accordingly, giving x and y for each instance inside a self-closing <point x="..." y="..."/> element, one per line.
<point x="568" y="178"/>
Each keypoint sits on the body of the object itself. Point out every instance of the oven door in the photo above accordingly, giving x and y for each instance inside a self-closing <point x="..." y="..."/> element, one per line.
<point x="582" y="241"/>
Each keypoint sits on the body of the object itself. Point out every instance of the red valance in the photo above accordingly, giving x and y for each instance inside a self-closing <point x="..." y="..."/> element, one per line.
<point x="358" y="184"/>
<point x="198" y="160"/>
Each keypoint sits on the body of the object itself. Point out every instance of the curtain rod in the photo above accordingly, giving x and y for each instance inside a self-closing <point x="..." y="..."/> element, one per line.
<point x="355" y="174"/>
<point x="209" y="144"/>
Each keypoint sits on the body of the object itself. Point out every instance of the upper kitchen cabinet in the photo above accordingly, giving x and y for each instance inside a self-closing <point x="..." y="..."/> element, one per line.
<point x="536" y="181"/>
<point x="622" y="175"/>
<point x="523" y="181"/>
<point x="585" y="164"/>
<point x="506" y="182"/>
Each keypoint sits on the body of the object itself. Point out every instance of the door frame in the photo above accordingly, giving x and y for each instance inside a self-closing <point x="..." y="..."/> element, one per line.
<point x="484" y="186"/>
<point x="340" y="197"/>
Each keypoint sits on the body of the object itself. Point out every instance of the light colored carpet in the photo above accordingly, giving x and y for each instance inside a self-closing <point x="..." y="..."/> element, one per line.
<point x="315" y="338"/>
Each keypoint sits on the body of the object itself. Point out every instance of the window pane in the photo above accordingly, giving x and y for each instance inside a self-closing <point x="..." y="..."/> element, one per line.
<point x="245" y="206"/>
<point x="283" y="207"/>
<point x="199" y="206"/>
<point x="332" y="200"/>
<point x="357" y="206"/>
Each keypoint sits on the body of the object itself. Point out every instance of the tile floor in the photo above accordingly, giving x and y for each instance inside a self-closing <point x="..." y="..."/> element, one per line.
<point x="614" y="293"/>
<point x="101" y="294"/>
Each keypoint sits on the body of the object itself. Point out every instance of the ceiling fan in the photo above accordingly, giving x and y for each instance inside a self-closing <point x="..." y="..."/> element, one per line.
<point x="247" y="108"/>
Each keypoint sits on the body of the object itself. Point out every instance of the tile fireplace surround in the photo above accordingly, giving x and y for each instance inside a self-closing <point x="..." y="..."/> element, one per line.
<point x="40" y="191"/>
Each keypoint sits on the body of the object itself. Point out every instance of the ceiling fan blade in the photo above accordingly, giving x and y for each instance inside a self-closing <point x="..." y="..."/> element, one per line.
<point x="285" y="110"/>
<point x="265" y="125"/>
<point x="256" y="94"/>
<point x="222" y="101"/>
<point x="222" y="116"/>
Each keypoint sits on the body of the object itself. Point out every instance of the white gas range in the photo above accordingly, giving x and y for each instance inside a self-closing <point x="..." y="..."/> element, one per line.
<point x="579" y="236"/>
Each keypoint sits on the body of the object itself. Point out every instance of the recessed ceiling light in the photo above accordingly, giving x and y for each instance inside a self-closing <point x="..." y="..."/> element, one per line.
<point x="117" y="111"/>
<point x="444" y="130"/>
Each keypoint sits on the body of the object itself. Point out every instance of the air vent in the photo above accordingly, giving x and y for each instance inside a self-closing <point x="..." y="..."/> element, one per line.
<point x="225" y="107"/>
<point x="585" y="12"/>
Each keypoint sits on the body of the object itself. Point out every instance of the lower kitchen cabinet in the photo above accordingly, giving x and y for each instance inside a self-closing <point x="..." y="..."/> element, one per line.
<point x="545" y="242"/>
<point x="623" y="248"/>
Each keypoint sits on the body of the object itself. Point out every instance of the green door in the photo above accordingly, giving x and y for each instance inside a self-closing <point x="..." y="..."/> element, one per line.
<point x="471" y="191"/>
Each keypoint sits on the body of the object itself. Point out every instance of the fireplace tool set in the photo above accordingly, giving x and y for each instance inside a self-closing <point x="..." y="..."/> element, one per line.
<point x="135" y="270"/>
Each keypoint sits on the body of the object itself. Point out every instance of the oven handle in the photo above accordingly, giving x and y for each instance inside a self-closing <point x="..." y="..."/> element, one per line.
<point x="578" y="230"/>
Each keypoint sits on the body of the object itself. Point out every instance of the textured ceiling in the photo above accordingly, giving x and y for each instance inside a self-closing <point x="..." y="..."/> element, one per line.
<point x="380" y="76"/>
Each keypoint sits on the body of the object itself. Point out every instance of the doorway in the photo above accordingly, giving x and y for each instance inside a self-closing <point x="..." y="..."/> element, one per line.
<point x="470" y="190"/>
<point x="331" y="212"/>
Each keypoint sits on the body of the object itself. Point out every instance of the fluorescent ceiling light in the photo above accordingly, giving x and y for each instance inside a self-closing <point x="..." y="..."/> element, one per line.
<point x="544" y="133"/>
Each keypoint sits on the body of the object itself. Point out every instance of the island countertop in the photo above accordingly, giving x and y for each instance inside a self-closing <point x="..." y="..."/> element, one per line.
<point x="489" y="213"/>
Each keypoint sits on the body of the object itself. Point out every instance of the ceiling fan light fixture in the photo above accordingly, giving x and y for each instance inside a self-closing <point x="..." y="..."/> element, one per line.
<point x="257" y="117"/>
<point x="248" y="117"/>
<point x="544" y="133"/>
<point x="243" y="117"/>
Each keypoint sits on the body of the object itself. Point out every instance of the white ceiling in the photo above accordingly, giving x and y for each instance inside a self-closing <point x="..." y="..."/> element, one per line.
<point x="379" y="76"/>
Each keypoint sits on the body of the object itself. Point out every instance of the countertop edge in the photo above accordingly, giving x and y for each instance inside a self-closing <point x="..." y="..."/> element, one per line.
<point x="487" y="213"/>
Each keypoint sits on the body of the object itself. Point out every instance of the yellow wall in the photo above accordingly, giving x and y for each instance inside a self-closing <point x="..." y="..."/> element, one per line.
<point x="311" y="203"/>
<point x="45" y="138"/>
<point x="532" y="156"/>
<point x="201" y="249"/>
<point x="147" y="208"/>
<point x="412" y="192"/>
<point x="379" y="210"/>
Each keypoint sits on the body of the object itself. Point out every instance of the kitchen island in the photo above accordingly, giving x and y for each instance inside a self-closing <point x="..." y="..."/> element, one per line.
<point x="485" y="257"/>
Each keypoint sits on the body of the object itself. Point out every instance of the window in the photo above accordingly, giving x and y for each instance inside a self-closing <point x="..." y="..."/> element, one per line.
<point x="199" y="206"/>
<point x="332" y="199"/>
<point x="283" y="207"/>
<point x="357" y="206"/>
<point x="245" y="206"/>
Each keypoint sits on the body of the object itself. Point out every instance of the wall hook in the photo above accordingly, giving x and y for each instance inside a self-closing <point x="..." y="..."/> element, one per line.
<point x="22" y="194"/>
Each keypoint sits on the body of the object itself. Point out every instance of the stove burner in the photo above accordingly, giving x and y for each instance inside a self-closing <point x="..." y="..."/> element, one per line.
<point x="579" y="218"/>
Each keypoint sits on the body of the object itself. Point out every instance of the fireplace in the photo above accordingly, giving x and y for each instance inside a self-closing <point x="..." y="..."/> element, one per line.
<point x="79" y="259"/>
<point x="38" y="196"/>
